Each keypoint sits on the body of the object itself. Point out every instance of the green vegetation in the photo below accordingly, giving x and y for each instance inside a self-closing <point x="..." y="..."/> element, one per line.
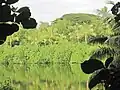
<point x="111" y="53"/>
<point x="79" y="18"/>
<point x="50" y="57"/>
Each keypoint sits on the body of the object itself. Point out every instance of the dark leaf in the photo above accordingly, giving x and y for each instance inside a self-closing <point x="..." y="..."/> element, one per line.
<point x="29" y="23"/>
<point x="2" y="39"/>
<point x="115" y="65"/>
<point x="117" y="18"/>
<point x="14" y="28"/>
<point x="11" y="1"/>
<point x="5" y="13"/>
<point x="97" y="39"/>
<point x="108" y="61"/>
<point x="11" y="18"/>
<point x="7" y="29"/>
<point x="23" y="9"/>
<point x="89" y="66"/>
<point x="115" y="8"/>
<point x="99" y="76"/>
<point x="23" y="16"/>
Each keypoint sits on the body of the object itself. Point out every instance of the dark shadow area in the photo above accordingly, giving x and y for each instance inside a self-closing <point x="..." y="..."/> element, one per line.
<point x="20" y="16"/>
<point x="6" y="30"/>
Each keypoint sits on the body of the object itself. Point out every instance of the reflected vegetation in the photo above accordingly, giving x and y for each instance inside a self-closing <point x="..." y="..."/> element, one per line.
<point x="41" y="77"/>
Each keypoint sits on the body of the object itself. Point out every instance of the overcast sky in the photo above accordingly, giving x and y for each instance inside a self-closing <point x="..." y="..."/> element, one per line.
<point x="49" y="10"/>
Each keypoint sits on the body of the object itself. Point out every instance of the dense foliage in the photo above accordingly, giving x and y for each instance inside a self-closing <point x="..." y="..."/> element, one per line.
<point x="109" y="75"/>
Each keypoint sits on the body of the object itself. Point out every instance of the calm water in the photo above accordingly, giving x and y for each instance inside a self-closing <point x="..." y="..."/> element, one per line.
<point x="43" y="77"/>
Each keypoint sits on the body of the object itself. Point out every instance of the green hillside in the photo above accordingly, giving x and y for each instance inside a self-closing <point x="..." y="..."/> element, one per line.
<point x="79" y="17"/>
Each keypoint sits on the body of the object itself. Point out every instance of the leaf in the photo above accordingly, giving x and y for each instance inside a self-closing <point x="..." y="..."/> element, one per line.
<point x="11" y="1"/>
<point x="5" y="13"/>
<point x="2" y="39"/>
<point x="89" y="66"/>
<point x="99" y="76"/>
<point x="115" y="8"/>
<point x="115" y="65"/>
<point x="108" y="61"/>
<point x="97" y="39"/>
<point x="23" y="16"/>
<point x="7" y="29"/>
<point x="29" y="23"/>
<point x="23" y="9"/>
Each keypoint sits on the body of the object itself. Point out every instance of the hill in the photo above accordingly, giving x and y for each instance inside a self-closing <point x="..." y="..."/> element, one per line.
<point x="79" y="18"/>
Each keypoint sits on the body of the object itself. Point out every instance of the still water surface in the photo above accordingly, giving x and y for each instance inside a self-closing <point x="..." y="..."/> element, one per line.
<point x="43" y="77"/>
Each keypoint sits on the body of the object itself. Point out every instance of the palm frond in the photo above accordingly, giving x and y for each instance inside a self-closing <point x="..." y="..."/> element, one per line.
<point x="110" y="2"/>
<point x="103" y="52"/>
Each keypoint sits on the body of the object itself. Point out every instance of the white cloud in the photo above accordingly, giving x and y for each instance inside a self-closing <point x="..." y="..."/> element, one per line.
<point x="48" y="10"/>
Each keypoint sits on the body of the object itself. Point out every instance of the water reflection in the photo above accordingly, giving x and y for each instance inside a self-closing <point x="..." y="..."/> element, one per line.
<point x="43" y="76"/>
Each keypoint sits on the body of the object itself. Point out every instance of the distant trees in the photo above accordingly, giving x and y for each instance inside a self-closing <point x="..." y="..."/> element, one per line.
<point x="103" y="12"/>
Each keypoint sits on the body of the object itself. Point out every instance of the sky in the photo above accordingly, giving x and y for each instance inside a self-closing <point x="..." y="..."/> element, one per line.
<point x="49" y="10"/>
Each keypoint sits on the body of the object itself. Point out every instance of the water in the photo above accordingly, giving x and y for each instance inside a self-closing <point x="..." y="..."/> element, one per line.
<point x="43" y="77"/>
